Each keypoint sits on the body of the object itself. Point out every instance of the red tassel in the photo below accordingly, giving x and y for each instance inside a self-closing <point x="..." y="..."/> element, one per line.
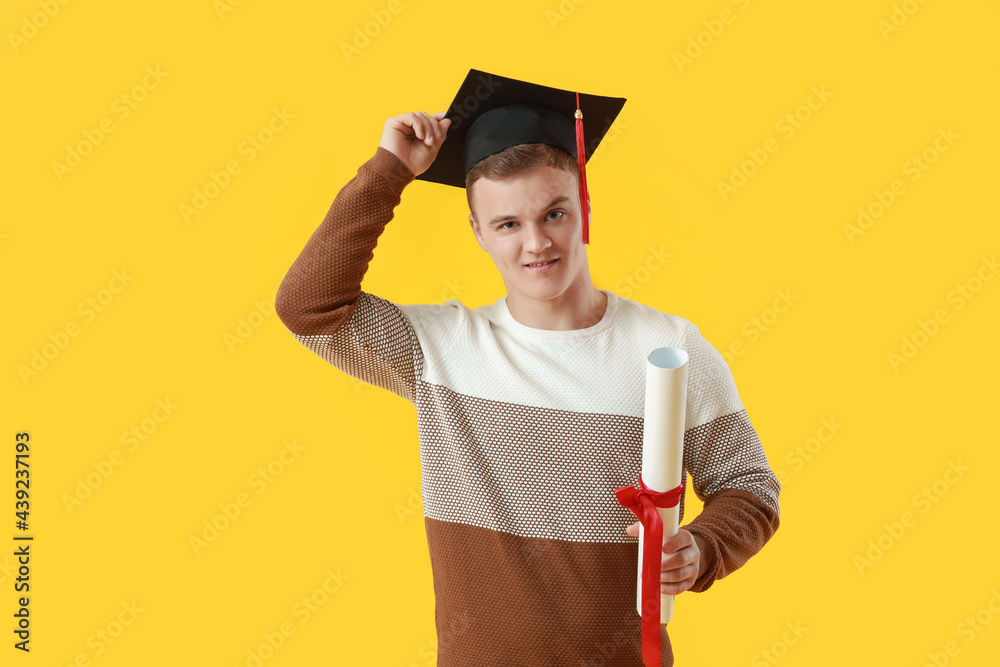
<point x="581" y="160"/>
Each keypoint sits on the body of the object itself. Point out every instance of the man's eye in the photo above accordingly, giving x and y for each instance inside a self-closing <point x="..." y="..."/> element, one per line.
<point x="514" y="222"/>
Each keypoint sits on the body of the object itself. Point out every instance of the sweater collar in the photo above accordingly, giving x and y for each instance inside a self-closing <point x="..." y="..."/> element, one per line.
<point x="505" y="319"/>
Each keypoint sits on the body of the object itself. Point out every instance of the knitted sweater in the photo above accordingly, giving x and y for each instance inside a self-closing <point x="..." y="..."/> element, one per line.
<point x="524" y="435"/>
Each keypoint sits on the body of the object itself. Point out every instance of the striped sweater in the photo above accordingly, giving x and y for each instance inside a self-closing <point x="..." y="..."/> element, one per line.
<point x="524" y="435"/>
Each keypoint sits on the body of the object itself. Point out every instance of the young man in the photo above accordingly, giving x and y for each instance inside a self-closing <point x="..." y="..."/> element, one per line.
<point x="529" y="410"/>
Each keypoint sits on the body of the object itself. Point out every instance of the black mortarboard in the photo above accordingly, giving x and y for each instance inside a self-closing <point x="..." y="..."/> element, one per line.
<point x="491" y="113"/>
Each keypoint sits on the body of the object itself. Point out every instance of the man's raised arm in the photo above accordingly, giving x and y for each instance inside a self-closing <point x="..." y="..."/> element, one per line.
<point x="320" y="290"/>
<point x="320" y="300"/>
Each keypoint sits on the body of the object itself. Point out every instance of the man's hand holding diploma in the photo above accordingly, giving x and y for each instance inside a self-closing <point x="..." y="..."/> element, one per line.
<point x="680" y="563"/>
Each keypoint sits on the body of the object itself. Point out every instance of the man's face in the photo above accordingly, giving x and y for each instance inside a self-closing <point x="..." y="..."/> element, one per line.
<point x="531" y="217"/>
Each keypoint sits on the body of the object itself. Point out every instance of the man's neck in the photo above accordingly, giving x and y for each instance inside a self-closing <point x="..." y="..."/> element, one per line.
<point x="574" y="309"/>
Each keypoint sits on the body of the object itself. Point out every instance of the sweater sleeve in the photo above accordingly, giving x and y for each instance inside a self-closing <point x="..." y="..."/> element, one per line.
<point x="320" y="300"/>
<point x="729" y="469"/>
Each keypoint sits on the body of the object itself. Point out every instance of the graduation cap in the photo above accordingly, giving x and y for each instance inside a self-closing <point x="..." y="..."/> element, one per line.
<point x="491" y="113"/>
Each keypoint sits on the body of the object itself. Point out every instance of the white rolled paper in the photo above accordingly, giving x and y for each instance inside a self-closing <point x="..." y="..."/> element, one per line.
<point x="663" y="445"/>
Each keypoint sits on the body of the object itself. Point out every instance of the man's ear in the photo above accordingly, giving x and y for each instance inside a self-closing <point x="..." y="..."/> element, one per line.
<point x="476" y="231"/>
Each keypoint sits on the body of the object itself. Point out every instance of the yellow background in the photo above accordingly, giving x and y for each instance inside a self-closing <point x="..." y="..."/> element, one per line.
<point x="349" y="501"/>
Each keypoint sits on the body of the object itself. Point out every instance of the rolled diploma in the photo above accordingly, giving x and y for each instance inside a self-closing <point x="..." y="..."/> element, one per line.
<point x="663" y="445"/>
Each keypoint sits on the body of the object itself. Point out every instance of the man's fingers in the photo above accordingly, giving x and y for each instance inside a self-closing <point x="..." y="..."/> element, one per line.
<point x="430" y="128"/>
<point x="423" y="124"/>
<point x="684" y="556"/>
<point x="418" y="124"/>
<point x="678" y="560"/>
<point x="672" y="544"/>
<point x="425" y="127"/>
<point x="420" y="120"/>
<point x="676" y="587"/>
<point x="680" y="574"/>
<point x="439" y="123"/>
<point x="677" y="542"/>
<point x="412" y="121"/>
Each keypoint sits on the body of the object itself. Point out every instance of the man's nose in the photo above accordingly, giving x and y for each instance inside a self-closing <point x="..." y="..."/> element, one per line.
<point x="536" y="238"/>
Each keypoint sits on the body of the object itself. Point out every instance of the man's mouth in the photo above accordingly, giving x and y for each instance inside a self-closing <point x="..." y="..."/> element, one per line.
<point x="540" y="264"/>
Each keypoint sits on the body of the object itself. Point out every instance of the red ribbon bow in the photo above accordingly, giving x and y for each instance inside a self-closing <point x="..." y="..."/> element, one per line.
<point x="642" y="502"/>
